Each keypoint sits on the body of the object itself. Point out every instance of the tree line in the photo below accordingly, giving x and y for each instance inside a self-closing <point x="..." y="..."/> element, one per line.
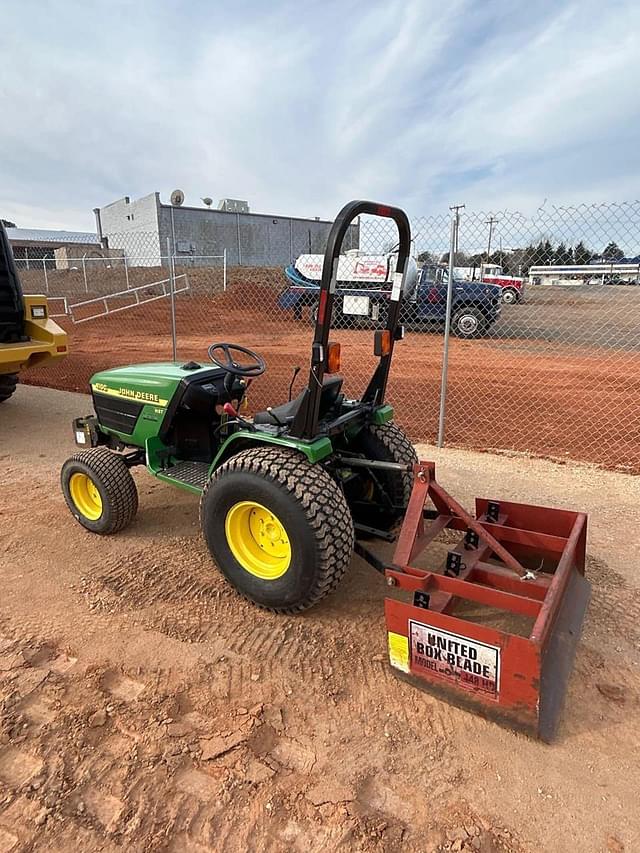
<point x="518" y="261"/>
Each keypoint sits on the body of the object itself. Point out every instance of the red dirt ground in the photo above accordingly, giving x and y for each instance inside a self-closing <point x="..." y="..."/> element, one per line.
<point x="533" y="396"/>
<point x="145" y="707"/>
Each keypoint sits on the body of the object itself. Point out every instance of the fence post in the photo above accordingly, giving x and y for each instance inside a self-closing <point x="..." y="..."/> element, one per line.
<point x="172" y="292"/>
<point x="84" y="273"/>
<point x="46" y="280"/>
<point x="224" y="270"/>
<point x="453" y="242"/>
<point x="239" y="247"/>
<point x="26" y="255"/>
<point x="126" y="271"/>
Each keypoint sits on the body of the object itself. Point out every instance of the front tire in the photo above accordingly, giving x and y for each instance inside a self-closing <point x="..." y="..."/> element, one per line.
<point x="8" y="384"/>
<point x="468" y="323"/>
<point x="99" y="490"/>
<point x="278" y="527"/>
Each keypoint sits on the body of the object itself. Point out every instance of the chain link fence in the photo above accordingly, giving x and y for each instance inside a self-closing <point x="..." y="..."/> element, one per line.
<point x="543" y="356"/>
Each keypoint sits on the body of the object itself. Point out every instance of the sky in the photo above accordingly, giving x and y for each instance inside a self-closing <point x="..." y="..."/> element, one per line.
<point x="300" y="106"/>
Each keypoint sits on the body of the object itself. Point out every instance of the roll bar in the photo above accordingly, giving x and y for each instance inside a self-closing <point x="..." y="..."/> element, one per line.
<point x="305" y="424"/>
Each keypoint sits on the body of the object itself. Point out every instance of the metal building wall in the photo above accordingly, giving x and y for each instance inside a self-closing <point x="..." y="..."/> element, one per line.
<point x="250" y="239"/>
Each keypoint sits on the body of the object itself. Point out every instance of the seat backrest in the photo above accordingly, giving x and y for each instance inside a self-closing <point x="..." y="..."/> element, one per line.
<point x="331" y="387"/>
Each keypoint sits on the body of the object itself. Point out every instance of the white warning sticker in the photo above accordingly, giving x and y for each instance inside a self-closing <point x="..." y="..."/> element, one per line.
<point x="397" y="285"/>
<point x="468" y="663"/>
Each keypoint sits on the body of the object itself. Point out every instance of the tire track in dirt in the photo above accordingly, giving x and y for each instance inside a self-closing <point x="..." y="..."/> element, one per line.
<point x="139" y="578"/>
<point x="124" y="765"/>
<point x="312" y="659"/>
<point x="266" y="649"/>
<point x="282" y="654"/>
<point x="183" y="596"/>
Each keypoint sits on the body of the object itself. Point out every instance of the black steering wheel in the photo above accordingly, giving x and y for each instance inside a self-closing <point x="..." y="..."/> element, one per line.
<point x="229" y="362"/>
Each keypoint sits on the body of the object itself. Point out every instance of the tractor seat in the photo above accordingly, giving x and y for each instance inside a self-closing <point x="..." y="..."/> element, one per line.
<point x="284" y="414"/>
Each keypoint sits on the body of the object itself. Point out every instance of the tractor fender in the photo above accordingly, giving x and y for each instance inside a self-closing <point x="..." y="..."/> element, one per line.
<point x="315" y="450"/>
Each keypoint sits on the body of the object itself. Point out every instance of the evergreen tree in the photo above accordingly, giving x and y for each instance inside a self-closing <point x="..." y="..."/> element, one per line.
<point x="612" y="252"/>
<point x="529" y="258"/>
<point x="582" y="255"/>
<point x="562" y="255"/>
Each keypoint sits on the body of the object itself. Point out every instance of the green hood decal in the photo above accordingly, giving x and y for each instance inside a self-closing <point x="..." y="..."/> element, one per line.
<point x="154" y="383"/>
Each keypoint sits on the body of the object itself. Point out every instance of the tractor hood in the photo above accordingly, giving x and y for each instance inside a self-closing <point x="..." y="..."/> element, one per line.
<point x="148" y="383"/>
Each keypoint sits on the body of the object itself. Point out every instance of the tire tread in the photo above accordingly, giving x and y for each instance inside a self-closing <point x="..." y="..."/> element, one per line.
<point x="117" y="481"/>
<point x="8" y="385"/>
<point x="400" y="448"/>
<point x="324" y="504"/>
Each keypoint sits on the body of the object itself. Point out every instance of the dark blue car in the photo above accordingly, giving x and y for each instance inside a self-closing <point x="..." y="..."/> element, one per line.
<point x="474" y="309"/>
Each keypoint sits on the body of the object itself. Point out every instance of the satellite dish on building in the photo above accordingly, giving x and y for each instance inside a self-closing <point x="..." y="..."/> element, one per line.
<point x="208" y="201"/>
<point x="177" y="198"/>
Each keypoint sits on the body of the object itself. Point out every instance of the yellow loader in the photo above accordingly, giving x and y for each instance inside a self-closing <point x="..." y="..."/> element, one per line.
<point x="27" y="335"/>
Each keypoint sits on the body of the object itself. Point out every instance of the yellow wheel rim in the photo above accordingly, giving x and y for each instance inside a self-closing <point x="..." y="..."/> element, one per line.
<point x="85" y="496"/>
<point x="258" y="540"/>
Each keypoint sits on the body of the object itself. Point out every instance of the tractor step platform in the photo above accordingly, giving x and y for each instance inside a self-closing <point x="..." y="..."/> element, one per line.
<point x="191" y="473"/>
<point x="495" y="628"/>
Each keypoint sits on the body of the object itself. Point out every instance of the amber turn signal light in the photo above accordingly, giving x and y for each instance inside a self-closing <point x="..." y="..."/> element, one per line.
<point x="382" y="342"/>
<point x="333" y="358"/>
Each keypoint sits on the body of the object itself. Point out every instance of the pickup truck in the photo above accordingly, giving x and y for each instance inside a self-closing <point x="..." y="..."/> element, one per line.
<point x="474" y="309"/>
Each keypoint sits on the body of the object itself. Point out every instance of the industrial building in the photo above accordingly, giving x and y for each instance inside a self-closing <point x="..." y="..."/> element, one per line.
<point x="144" y="228"/>
<point x="624" y="271"/>
<point x="33" y="245"/>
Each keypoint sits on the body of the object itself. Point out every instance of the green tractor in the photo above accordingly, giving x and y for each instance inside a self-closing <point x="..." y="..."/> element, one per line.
<point x="284" y="496"/>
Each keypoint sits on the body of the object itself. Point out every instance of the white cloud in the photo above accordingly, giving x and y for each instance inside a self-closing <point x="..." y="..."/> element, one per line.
<point x="299" y="107"/>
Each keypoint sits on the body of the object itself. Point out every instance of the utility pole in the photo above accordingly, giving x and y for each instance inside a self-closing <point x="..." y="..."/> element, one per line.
<point x="491" y="221"/>
<point x="456" y="208"/>
<point x="453" y="246"/>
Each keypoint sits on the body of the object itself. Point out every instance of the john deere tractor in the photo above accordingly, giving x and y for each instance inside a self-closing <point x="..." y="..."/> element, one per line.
<point x="27" y="335"/>
<point x="283" y="496"/>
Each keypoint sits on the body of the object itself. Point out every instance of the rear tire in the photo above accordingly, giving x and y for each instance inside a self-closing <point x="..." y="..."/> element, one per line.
<point x="8" y="384"/>
<point x="99" y="490"/>
<point x="510" y="296"/>
<point x="386" y="443"/>
<point x="314" y="539"/>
